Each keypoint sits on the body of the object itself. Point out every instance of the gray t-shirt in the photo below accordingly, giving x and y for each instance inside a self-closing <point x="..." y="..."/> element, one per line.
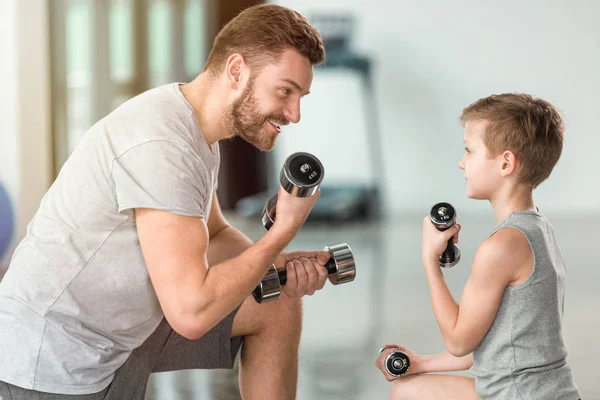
<point x="77" y="298"/>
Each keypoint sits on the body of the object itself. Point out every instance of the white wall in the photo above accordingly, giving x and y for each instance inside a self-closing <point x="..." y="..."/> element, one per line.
<point x="436" y="57"/>
<point x="25" y="144"/>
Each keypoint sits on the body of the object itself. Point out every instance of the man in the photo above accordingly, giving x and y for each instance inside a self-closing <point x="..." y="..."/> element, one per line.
<point x="112" y="281"/>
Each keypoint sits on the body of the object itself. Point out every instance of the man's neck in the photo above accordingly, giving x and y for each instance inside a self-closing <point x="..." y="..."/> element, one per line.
<point x="207" y="97"/>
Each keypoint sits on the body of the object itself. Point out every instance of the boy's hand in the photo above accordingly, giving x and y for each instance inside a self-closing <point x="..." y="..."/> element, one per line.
<point x="389" y="348"/>
<point x="435" y="241"/>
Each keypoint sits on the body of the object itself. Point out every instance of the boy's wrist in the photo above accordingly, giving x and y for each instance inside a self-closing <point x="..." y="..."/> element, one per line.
<point x="420" y="364"/>
<point x="430" y="260"/>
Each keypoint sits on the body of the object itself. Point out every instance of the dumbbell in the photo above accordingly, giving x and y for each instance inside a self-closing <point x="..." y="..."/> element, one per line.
<point x="443" y="216"/>
<point x="341" y="269"/>
<point x="397" y="363"/>
<point x="300" y="176"/>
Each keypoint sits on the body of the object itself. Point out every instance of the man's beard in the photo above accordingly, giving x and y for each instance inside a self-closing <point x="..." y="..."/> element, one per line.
<point x="244" y="120"/>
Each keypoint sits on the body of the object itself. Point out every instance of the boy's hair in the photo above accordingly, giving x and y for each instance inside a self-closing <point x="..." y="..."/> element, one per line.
<point x="530" y="127"/>
<point x="261" y="34"/>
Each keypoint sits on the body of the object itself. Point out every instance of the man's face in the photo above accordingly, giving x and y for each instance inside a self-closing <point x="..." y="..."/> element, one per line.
<point x="270" y="100"/>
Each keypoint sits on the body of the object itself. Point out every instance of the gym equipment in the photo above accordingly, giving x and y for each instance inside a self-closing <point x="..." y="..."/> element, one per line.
<point x="300" y="176"/>
<point x="443" y="216"/>
<point x="397" y="363"/>
<point x="341" y="269"/>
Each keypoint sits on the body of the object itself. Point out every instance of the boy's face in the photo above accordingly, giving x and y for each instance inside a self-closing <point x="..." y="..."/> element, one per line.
<point x="481" y="170"/>
<point x="271" y="99"/>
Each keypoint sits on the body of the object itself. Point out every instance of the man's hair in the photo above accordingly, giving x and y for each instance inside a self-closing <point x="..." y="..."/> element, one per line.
<point x="530" y="127"/>
<point x="261" y="34"/>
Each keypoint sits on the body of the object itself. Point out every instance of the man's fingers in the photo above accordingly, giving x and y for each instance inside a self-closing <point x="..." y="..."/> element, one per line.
<point x="312" y="276"/>
<point x="321" y="256"/>
<point x="292" y="279"/>
<point x="302" y="276"/>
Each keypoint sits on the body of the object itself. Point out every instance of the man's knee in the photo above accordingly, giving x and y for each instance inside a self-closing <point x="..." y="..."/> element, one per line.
<point x="286" y="313"/>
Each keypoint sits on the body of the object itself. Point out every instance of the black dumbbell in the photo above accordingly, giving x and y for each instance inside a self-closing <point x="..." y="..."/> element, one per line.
<point x="341" y="269"/>
<point x="300" y="176"/>
<point x="443" y="216"/>
<point x="397" y="363"/>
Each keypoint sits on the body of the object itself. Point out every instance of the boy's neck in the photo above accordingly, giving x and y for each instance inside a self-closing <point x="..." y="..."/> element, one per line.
<point x="518" y="199"/>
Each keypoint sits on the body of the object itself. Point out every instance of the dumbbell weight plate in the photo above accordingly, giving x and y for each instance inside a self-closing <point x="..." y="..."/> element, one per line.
<point x="443" y="215"/>
<point x="341" y="266"/>
<point x="268" y="214"/>
<point x="269" y="288"/>
<point x="397" y="363"/>
<point x="301" y="174"/>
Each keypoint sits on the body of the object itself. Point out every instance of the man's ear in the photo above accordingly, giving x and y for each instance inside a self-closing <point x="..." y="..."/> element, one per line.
<point x="235" y="70"/>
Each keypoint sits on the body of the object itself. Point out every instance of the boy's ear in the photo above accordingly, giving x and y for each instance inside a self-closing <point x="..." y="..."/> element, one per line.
<point x="509" y="163"/>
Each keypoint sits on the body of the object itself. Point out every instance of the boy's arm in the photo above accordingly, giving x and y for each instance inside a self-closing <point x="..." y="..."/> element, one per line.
<point x="497" y="263"/>
<point x="443" y="362"/>
<point x="419" y="364"/>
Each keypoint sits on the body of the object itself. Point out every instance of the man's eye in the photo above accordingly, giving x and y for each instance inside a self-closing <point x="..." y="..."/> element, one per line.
<point x="286" y="91"/>
<point x="466" y="150"/>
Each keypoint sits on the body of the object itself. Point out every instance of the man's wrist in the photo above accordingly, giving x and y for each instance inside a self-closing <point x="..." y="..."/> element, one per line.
<point x="282" y="233"/>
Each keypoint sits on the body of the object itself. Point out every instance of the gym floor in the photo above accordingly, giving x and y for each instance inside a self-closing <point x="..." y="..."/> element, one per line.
<point x="344" y="326"/>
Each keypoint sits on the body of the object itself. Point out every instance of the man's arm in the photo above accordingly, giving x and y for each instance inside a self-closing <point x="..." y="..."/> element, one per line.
<point x="306" y="272"/>
<point x="225" y="241"/>
<point x="496" y="265"/>
<point x="194" y="297"/>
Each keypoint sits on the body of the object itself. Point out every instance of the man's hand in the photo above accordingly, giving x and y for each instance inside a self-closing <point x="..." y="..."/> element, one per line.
<point x="306" y="272"/>
<point x="291" y="211"/>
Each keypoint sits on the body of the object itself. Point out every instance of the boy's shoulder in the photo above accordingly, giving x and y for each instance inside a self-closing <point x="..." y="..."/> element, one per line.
<point x="508" y="249"/>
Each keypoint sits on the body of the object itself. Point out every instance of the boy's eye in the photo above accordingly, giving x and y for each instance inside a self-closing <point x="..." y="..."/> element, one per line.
<point x="286" y="91"/>
<point x="466" y="150"/>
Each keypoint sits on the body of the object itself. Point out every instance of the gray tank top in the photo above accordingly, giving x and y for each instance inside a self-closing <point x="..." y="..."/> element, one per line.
<point x="523" y="355"/>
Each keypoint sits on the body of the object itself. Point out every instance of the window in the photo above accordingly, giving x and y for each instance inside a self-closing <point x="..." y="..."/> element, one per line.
<point x="105" y="52"/>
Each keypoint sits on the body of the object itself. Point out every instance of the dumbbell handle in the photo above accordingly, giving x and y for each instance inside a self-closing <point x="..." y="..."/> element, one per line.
<point x="330" y="266"/>
<point x="449" y="251"/>
<point x="340" y="266"/>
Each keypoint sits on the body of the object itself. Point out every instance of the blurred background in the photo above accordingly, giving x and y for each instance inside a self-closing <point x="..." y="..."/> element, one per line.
<point x="382" y="117"/>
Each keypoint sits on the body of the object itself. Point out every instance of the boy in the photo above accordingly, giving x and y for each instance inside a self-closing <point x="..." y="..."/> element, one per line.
<point x="508" y="327"/>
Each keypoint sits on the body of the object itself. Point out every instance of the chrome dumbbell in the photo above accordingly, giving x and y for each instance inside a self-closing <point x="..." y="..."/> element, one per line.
<point x="341" y="269"/>
<point x="397" y="363"/>
<point x="443" y="216"/>
<point x="300" y="176"/>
